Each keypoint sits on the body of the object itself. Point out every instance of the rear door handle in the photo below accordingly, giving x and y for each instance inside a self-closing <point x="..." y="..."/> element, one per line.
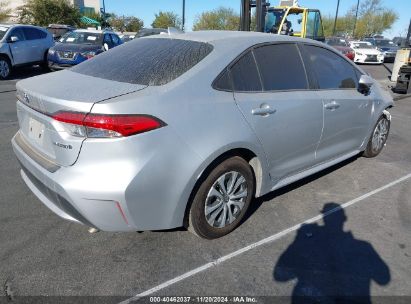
<point x="263" y="110"/>
<point x="333" y="105"/>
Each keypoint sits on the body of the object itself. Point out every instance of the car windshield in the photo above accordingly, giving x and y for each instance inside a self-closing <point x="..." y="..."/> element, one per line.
<point x="3" y="31"/>
<point x="384" y="43"/>
<point x="337" y="42"/>
<point x="82" y="38"/>
<point x="363" y="46"/>
<point x="146" y="61"/>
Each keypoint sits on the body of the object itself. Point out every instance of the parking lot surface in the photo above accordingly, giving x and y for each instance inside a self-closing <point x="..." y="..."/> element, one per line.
<point x="357" y="239"/>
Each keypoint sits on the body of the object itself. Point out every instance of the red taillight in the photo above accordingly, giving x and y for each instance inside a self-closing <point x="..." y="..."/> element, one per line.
<point x="74" y="118"/>
<point x="126" y="125"/>
<point x="115" y="125"/>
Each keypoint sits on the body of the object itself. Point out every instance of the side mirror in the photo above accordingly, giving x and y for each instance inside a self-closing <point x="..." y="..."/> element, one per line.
<point x="365" y="84"/>
<point x="14" y="39"/>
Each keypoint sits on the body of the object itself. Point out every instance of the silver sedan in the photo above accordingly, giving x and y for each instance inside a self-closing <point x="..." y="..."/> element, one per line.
<point x="187" y="129"/>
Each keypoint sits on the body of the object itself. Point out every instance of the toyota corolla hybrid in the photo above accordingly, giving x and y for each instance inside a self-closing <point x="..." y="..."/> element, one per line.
<point x="187" y="129"/>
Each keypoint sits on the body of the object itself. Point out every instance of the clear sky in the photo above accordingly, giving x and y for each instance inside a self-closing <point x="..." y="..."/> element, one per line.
<point x="146" y="9"/>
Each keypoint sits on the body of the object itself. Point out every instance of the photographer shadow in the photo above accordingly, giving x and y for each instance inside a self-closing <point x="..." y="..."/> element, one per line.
<point x="329" y="264"/>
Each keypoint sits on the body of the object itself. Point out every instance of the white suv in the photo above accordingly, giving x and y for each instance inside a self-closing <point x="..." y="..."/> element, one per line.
<point x="22" y="45"/>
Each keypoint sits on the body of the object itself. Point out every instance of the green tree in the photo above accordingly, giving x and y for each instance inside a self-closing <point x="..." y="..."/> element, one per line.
<point x="4" y="10"/>
<point x="166" y="19"/>
<point x="44" y="12"/>
<point x="221" y="18"/>
<point x="125" y="23"/>
<point x="117" y="22"/>
<point x="134" y="24"/>
<point x="373" y="19"/>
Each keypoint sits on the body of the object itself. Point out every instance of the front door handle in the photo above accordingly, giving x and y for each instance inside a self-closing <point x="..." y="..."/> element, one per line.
<point x="263" y="110"/>
<point x="333" y="105"/>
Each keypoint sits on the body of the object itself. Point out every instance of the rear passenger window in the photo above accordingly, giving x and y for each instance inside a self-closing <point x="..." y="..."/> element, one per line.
<point x="281" y="67"/>
<point x="331" y="70"/>
<point x="33" y="34"/>
<point x="245" y="75"/>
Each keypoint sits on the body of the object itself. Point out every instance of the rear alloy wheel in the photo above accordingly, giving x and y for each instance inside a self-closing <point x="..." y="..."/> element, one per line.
<point x="378" y="138"/>
<point x="5" y="68"/>
<point x="222" y="199"/>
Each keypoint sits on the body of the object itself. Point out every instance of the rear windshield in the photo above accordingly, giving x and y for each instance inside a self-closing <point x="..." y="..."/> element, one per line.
<point x="146" y="61"/>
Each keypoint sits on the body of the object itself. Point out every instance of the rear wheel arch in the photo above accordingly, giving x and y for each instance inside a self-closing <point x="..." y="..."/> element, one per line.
<point x="243" y="153"/>
<point x="7" y="57"/>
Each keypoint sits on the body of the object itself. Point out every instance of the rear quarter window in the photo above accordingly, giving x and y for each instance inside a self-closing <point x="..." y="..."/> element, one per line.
<point x="146" y="61"/>
<point x="245" y="75"/>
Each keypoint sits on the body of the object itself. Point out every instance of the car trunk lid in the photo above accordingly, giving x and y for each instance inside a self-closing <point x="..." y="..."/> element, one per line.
<point x="43" y="96"/>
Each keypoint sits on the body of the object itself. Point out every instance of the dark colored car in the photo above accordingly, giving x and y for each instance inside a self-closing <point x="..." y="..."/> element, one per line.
<point x="58" y="30"/>
<point x="342" y="46"/>
<point x="386" y="46"/>
<point x="78" y="46"/>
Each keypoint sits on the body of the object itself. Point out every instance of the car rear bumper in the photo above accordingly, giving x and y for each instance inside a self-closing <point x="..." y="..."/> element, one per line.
<point x="127" y="185"/>
<point x="53" y="190"/>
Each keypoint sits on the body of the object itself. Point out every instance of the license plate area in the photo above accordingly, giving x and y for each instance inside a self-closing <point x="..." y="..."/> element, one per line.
<point x="36" y="131"/>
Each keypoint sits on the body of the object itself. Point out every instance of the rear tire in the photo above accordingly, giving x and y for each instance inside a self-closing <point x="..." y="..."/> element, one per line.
<point x="222" y="199"/>
<point x="378" y="137"/>
<point x="5" y="68"/>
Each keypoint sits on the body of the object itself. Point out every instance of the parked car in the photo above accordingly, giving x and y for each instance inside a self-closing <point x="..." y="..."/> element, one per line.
<point x="365" y="52"/>
<point x="150" y="32"/>
<point x="22" y="45"/>
<point x="341" y="45"/>
<point x="187" y="129"/>
<point x="126" y="37"/>
<point x="58" y="30"/>
<point x="385" y="46"/>
<point x="80" y="45"/>
<point x="399" y="40"/>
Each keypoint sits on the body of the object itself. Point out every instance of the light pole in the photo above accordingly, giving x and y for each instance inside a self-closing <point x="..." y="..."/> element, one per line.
<point x="336" y="15"/>
<point x="356" y="18"/>
<point x="104" y="13"/>
<point x="184" y="15"/>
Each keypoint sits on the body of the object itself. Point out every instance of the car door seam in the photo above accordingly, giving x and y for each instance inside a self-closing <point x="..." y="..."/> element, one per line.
<point x="322" y="130"/>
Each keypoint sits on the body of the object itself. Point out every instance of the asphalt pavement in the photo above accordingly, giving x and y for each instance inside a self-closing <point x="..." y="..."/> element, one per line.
<point x="355" y="239"/>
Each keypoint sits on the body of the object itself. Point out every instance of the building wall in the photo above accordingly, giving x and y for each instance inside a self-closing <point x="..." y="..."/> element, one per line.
<point x="14" y="4"/>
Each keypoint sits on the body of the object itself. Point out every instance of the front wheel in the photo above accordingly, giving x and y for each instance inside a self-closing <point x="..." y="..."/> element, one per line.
<point x="222" y="199"/>
<point x="5" y="68"/>
<point x="378" y="137"/>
